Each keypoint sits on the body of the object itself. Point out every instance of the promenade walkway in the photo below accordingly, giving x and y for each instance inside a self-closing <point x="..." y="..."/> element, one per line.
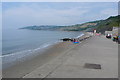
<point x="94" y="58"/>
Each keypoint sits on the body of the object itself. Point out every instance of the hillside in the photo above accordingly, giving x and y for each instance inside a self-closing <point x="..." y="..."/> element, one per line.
<point x="108" y="24"/>
<point x="100" y="25"/>
<point x="79" y="27"/>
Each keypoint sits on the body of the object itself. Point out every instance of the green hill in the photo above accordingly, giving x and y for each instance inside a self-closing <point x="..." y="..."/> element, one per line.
<point x="108" y="24"/>
<point x="100" y="25"/>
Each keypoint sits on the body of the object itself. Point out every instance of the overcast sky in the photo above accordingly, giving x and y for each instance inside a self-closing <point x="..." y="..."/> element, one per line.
<point x="22" y="14"/>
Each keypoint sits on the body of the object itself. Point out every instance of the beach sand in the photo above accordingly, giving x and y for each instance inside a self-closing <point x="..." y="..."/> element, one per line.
<point x="93" y="58"/>
<point x="23" y="68"/>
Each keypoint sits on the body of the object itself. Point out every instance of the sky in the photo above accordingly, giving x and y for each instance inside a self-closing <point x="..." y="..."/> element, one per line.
<point x="21" y="14"/>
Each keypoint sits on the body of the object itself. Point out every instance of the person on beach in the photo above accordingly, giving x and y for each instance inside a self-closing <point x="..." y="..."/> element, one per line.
<point x="75" y="41"/>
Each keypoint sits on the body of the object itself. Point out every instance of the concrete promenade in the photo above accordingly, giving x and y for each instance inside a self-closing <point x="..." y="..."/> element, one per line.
<point x="71" y="64"/>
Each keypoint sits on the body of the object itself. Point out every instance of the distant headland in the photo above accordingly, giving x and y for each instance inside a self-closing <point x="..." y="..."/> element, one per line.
<point x="99" y="25"/>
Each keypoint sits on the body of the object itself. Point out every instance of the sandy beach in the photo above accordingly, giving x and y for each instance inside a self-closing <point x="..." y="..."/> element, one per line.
<point x="67" y="60"/>
<point x="59" y="39"/>
<point x="22" y="68"/>
<point x="95" y="58"/>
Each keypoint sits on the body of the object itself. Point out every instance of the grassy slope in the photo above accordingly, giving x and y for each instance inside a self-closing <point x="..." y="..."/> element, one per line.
<point x="101" y="25"/>
<point x="108" y="24"/>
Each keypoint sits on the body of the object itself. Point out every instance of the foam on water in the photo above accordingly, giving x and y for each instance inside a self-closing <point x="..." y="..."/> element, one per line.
<point x="80" y="35"/>
<point x="27" y="43"/>
<point x="14" y="58"/>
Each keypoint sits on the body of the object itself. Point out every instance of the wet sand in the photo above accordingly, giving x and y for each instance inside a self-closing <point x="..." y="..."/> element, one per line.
<point x="23" y="68"/>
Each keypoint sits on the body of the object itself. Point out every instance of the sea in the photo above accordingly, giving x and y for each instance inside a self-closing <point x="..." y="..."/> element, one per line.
<point x="18" y="44"/>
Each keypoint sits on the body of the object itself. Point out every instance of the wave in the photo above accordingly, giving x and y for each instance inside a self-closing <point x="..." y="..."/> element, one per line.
<point x="21" y="56"/>
<point x="80" y="35"/>
<point x="13" y="58"/>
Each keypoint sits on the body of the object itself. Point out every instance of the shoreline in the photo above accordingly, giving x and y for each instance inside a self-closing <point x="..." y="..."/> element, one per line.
<point x="97" y="51"/>
<point x="22" y="68"/>
<point x="21" y="56"/>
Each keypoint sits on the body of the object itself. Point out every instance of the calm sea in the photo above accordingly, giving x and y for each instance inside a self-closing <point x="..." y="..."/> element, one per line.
<point x="18" y="43"/>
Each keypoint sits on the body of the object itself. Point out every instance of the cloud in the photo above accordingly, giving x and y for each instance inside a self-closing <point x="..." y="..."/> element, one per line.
<point x="27" y="15"/>
<point x="60" y="1"/>
<point x="109" y="12"/>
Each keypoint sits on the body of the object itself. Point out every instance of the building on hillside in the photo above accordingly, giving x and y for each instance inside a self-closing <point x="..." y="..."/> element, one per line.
<point x="108" y="32"/>
<point x="114" y="31"/>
